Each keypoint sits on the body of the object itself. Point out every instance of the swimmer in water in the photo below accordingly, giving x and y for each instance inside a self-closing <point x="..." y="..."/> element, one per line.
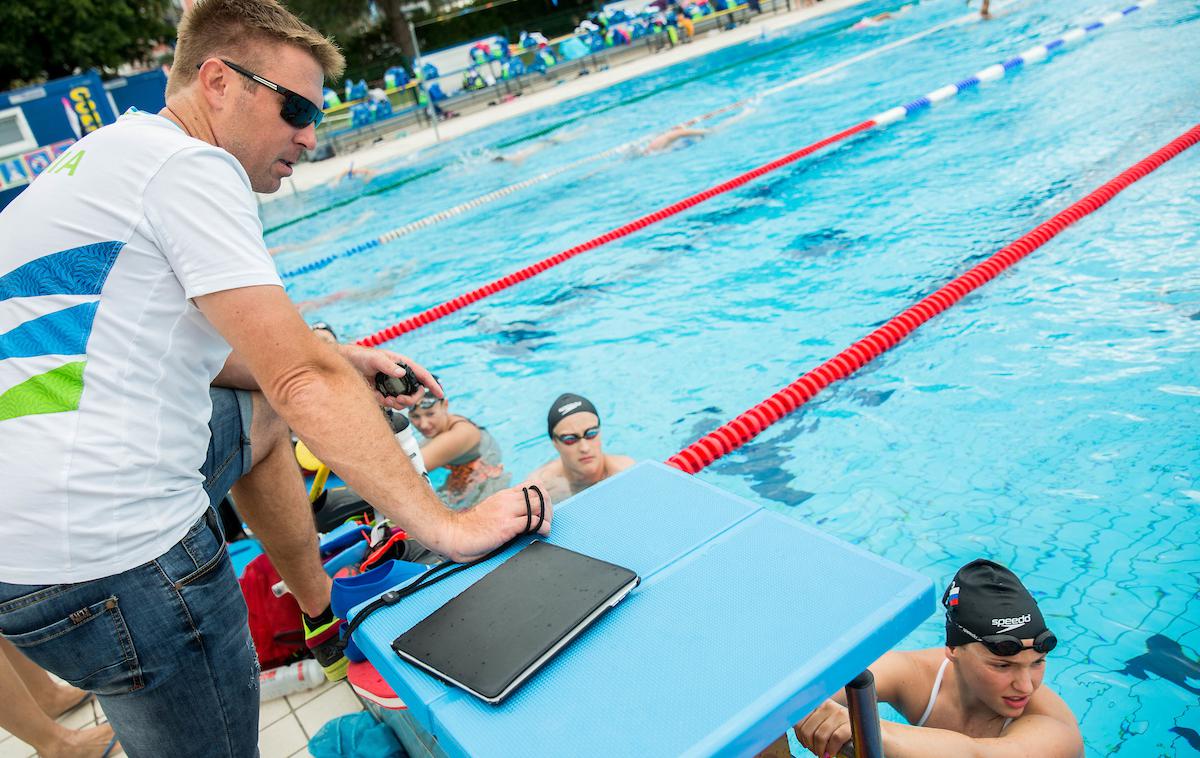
<point x="365" y="174"/>
<point x="462" y="447"/>
<point x="980" y="695"/>
<point x="673" y="135"/>
<point x="384" y="285"/>
<point x="574" y="427"/>
<point x="323" y="237"/>
<point x="324" y="332"/>
<point x="518" y="156"/>
<point x="868" y="21"/>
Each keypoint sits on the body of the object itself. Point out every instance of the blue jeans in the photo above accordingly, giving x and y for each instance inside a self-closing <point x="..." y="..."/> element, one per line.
<point x="165" y="646"/>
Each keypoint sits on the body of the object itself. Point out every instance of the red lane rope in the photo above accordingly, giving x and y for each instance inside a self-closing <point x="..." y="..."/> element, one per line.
<point x="450" y="306"/>
<point x="748" y="425"/>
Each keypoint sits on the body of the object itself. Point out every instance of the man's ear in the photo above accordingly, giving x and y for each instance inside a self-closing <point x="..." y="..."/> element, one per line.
<point x="214" y="83"/>
<point x="952" y="653"/>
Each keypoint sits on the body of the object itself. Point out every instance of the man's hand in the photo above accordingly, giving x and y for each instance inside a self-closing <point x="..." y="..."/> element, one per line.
<point x="477" y="531"/>
<point x="369" y="361"/>
<point x="826" y="730"/>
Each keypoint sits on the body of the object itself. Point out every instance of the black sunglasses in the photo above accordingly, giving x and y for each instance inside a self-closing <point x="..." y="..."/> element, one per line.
<point x="1006" y="645"/>
<point x="571" y="439"/>
<point x="297" y="111"/>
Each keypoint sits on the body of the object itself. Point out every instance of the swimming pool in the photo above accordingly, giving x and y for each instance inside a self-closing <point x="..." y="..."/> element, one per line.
<point x="1048" y="421"/>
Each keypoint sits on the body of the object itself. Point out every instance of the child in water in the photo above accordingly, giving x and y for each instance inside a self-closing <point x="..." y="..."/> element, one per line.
<point x="466" y="449"/>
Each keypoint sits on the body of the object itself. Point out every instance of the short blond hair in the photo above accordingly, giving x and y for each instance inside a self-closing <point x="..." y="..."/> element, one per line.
<point x="233" y="28"/>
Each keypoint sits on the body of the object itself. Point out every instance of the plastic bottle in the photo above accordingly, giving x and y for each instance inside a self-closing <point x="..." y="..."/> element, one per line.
<point x="285" y="680"/>
<point x="408" y="441"/>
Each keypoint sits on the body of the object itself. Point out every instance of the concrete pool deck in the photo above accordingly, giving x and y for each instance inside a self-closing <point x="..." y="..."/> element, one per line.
<point x="310" y="175"/>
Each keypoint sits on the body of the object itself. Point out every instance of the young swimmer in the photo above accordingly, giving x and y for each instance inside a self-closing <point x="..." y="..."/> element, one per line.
<point x="574" y="427"/>
<point x="325" y="236"/>
<point x="467" y="450"/>
<point x="353" y="173"/>
<point x="324" y="332"/>
<point x="670" y="137"/>
<point x="869" y="21"/>
<point x="981" y="695"/>
<point x="383" y="284"/>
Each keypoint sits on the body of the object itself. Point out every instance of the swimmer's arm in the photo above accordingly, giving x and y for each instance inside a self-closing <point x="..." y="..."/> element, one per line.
<point x="1031" y="736"/>
<point x="448" y="445"/>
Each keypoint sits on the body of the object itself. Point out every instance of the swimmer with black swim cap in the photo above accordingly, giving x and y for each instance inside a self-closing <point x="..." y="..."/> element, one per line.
<point x="324" y="332"/>
<point x="980" y="695"/>
<point x="573" y="424"/>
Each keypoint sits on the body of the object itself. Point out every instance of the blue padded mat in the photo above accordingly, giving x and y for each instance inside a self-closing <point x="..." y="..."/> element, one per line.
<point x="744" y="621"/>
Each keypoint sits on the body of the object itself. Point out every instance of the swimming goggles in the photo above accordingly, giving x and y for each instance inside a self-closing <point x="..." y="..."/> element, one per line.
<point x="1006" y="645"/>
<point x="297" y="111"/>
<point x="571" y="439"/>
<point x="428" y="401"/>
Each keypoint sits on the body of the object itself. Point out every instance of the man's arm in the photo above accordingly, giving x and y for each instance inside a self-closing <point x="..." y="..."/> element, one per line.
<point x="235" y="374"/>
<point x="327" y="404"/>
<point x="367" y="361"/>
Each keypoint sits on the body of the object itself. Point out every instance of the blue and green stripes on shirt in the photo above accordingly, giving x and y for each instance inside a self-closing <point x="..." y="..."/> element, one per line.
<point x="78" y="271"/>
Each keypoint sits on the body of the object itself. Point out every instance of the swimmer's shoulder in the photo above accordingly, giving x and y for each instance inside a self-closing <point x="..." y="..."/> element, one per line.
<point x="550" y="474"/>
<point x="618" y="463"/>
<point x="553" y="479"/>
<point x="904" y="679"/>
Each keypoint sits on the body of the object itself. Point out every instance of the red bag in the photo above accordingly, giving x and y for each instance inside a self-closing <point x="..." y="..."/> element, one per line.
<point x="274" y="621"/>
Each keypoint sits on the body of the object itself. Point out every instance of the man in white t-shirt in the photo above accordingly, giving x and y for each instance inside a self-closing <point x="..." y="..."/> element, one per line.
<point x="128" y="271"/>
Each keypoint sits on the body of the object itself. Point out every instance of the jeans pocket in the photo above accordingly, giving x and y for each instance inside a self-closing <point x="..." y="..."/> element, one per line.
<point x="91" y="647"/>
<point x="204" y="546"/>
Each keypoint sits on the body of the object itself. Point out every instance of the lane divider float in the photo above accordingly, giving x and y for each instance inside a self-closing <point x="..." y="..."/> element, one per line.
<point x="558" y="125"/>
<point x="320" y="263"/>
<point x="992" y="73"/>
<point x="751" y="423"/>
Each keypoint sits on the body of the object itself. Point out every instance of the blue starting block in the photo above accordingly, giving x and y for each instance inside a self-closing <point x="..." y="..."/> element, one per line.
<point x="744" y="622"/>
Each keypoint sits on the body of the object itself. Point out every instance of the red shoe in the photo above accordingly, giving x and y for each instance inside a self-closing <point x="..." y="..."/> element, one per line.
<point x="369" y="685"/>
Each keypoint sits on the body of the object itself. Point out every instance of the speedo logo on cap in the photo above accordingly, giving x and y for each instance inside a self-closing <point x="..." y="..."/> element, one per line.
<point x="569" y="407"/>
<point x="1012" y="623"/>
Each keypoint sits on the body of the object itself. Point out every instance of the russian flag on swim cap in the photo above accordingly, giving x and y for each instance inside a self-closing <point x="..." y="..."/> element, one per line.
<point x="953" y="600"/>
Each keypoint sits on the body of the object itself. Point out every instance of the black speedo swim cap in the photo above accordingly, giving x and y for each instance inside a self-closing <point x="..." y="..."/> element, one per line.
<point x="986" y="598"/>
<point x="567" y="404"/>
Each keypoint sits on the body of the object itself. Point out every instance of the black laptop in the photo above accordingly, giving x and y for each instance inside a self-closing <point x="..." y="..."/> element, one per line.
<point x="504" y="627"/>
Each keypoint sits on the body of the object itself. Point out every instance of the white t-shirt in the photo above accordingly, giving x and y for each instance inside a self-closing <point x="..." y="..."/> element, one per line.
<point x="105" y="361"/>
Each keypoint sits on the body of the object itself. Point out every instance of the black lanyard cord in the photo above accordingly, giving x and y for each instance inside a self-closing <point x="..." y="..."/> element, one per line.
<point x="391" y="597"/>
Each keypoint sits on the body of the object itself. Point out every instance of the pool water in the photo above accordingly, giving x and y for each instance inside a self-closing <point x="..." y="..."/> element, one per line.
<point x="1049" y="421"/>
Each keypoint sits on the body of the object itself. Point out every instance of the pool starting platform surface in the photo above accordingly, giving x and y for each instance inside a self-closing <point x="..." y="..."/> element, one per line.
<point x="745" y="620"/>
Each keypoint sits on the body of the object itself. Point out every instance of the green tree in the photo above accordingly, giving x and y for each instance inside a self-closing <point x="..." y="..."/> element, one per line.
<point x="349" y="19"/>
<point x="46" y="39"/>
